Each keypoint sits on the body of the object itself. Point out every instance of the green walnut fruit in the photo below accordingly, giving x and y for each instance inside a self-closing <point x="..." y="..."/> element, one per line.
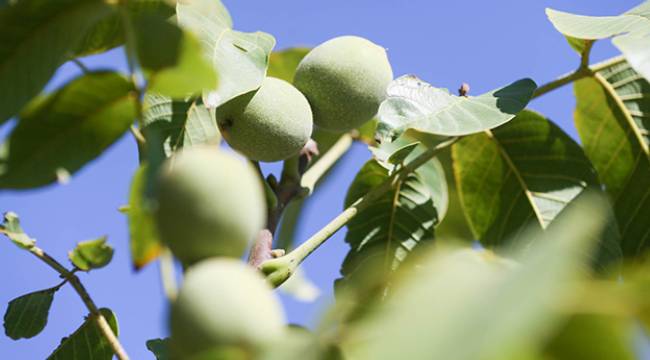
<point x="270" y="124"/>
<point x="345" y="81"/>
<point x="224" y="303"/>
<point x="209" y="204"/>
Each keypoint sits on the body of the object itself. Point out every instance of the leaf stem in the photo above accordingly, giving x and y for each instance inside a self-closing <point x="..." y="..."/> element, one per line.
<point x="70" y="277"/>
<point x="325" y="162"/>
<point x="280" y="269"/>
<point x="561" y="81"/>
<point x="582" y="72"/>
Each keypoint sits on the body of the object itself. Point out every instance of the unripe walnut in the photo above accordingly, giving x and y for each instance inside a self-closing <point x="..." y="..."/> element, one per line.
<point x="209" y="204"/>
<point x="224" y="303"/>
<point x="345" y="81"/>
<point x="270" y="124"/>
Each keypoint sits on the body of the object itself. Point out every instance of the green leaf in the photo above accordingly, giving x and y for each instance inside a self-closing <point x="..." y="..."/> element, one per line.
<point x="402" y="153"/>
<point x="612" y="120"/>
<point x="406" y="148"/>
<point x="12" y="229"/>
<point x="594" y="337"/>
<point x="239" y="58"/>
<point x="63" y="131"/>
<point x="631" y="32"/>
<point x="26" y="315"/>
<point x="414" y="104"/>
<point x="87" y="342"/>
<point x="453" y="226"/>
<point x="178" y="123"/>
<point x="521" y="174"/>
<point x="159" y="347"/>
<point x="493" y="308"/>
<point x="109" y="32"/>
<point x="144" y="242"/>
<point x="581" y="46"/>
<point x="366" y="132"/>
<point x="170" y="125"/>
<point x="36" y="37"/>
<point x="384" y="234"/>
<point x="172" y="59"/>
<point x="91" y="254"/>
<point x="283" y="64"/>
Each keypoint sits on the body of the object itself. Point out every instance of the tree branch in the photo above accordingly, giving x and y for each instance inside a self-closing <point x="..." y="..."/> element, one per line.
<point x="70" y="277"/>
<point x="280" y="269"/>
<point x="325" y="162"/>
<point x="294" y="183"/>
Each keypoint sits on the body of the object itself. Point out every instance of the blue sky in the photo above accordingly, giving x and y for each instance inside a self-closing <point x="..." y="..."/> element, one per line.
<point x="486" y="44"/>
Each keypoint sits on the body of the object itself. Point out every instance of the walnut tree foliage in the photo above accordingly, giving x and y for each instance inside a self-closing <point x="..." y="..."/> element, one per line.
<point x="478" y="229"/>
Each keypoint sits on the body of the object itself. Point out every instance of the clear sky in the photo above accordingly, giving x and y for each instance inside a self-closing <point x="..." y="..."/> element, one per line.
<point x="484" y="43"/>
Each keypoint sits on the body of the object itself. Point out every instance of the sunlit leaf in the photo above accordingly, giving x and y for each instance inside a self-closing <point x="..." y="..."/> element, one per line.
<point x="631" y="32"/>
<point x="462" y="305"/>
<point x="91" y="254"/>
<point x="521" y="174"/>
<point x="414" y="104"/>
<point x="87" y="342"/>
<point x="612" y="114"/>
<point x="171" y="58"/>
<point x="581" y="46"/>
<point x="239" y="58"/>
<point x="12" y="229"/>
<point x="66" y="129"/>
<point x="144" y="242"/>
<point x="178" y="123"/>
<point x="283" y="63"/>
<point x="36" y="36"/>
<point x="26" y="315"/>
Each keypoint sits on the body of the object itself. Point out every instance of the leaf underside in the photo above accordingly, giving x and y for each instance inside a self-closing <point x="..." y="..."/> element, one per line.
<point x="63" y="131"/>
<point x="240" y="59"/>
<point x="414" y="104"/>
<point x="630" y="32"/>
<point x="613" y="121"/>
<point x="383" y="235"/>
<point x="35" y="38"/>
<point x="524" y="173"/>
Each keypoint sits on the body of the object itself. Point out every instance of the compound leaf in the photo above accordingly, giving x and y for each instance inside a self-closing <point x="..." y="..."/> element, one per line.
<point x="521" y="174"/>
